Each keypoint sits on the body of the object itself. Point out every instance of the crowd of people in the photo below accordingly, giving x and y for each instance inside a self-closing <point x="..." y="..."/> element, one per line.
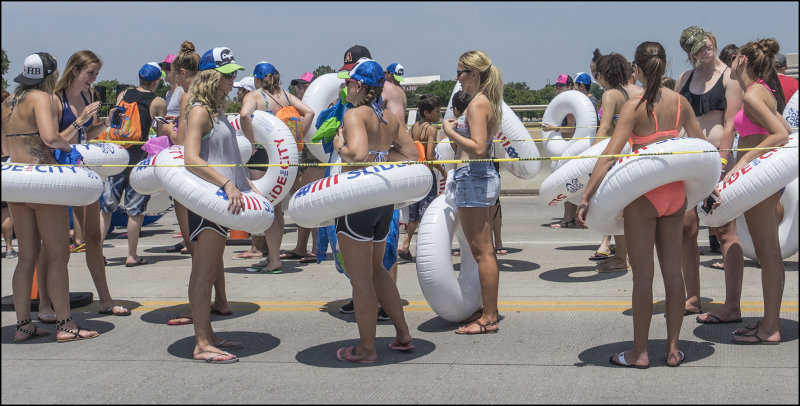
<point x="721" y="96"/>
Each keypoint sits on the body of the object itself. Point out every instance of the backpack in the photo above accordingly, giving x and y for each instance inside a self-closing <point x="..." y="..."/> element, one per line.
<point x="294" y="121"/>
<point x="125" y="124"/>
<point x="290" y="116"/>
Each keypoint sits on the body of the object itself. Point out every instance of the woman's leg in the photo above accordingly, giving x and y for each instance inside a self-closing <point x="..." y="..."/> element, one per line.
<point x="388" y="295"/>
<point x="94" y="235"/>
<point x="640" y="230"/>
<point x="183" y="224"/>
<point x="496" y="214"/>
<point x="53" y="224"/>
<point x="763" y="228"/>
<point x="205" y="268"/>
<point x="8" y="230"/>
<point x="668" y="247"/>
<point x="478" y="230"/>
<point x="411" y="228"/>
<point x="358" y="260"/>
<point x="733" y="265"/>
<point x="274" y="235"/>
<point x="690" y="263"/>
<point x="22" y="280"/>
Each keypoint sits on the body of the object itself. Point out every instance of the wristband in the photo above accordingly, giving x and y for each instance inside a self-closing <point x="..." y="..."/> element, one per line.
<point x="339" y="151"/>
<point x="224" y="184"/>
<point x="75" y="124"/>
<point x="724" y="161"/>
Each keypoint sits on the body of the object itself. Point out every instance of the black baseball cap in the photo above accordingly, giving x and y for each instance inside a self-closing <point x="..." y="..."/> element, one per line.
<point x="352" y="56"/>
<point x="36" y="68"/>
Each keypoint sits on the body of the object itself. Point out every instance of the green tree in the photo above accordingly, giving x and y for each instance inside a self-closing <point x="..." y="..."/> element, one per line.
<point x="162" y="89"/>
<point x="232" y="106"/>
<point x="596" y="91"/>
<point x="4" y="67"/>
<point x="323" y="69"/>
<point x="111" y="95"/>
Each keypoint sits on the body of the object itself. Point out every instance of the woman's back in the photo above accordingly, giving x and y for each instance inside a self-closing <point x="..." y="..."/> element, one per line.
<point x="664" y="122"/>
<point x="22" y="130"/>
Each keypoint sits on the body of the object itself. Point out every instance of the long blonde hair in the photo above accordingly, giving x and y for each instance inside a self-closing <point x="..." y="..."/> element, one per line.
<point x="79" y="60"/>
<point x="491" y="81"/>
<point x="204" y="90"/>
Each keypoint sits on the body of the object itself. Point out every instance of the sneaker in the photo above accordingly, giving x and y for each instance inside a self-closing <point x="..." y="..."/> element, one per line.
<point x="11" y="254"/>
<point x="382" y="316"/>
<point x="348" y="308"/>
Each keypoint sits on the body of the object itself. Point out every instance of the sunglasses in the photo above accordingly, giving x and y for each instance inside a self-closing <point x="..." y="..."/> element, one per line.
<point x="459" y="72"/>
<point x="231" y="75"/>
<point x="166" y="68"/>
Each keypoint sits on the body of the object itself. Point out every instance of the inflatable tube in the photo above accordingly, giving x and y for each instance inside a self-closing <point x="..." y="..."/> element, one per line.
<point x="61" y="185"/>
<point x="322" y="91"/>
<point x="569" y="102"/>
<point x="273" y="133"/>
<point x="208" y="200"/>
<point x="513" y="136"/>
<point x="631" y="177"/>
<point x="452" y="297"/>
<point x="574" y="148"/>
<point x="104" y="153"/>
<point x="787" y="229"/>
<point x="245" y="147"/>
<point x="143" y="177"/>
<point x="790" y="112"/>
<point x="755" y="181"/>
<point x="357" y="190"/>
<point x="443" y="152"/>
<point x="568" y="182"/>
<point x="158" y="204"/>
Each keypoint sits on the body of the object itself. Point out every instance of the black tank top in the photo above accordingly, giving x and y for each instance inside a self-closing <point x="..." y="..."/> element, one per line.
<point x="714" y="99"/>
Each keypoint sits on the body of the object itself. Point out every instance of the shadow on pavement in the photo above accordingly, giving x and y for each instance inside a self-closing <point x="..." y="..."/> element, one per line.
<point x="723" y="333"/>
<point x="163" y="314"/>
<point x="600" y="355"/>
<point x="579" y="274"/>
<point x="440" y="325"/>
<point x="254" y="343"/>
<point x="324" y="355"/>
<point x="332" y="308"/>
<point x="102" y="327"/>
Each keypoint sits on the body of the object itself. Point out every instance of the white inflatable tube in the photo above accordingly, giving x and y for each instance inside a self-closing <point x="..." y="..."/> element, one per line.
<point x="443" y="152"/>
<point x="755" y="181"/>
<point x="515" y="142"/>
<point x="790" y="112"/>
<point x="631" y="177"/>
<point x="104" y="153"/>
<point x="45" y="184"/>
<point x="358" y="190"/>
<point x="158" y="204"/>
<point x="452" y="297"/>
<point x="208" y="200"/>
<point x="569" y="102"/>
<point x="281" y="147"/>
<point x="574" y="148"/>
<point x="143" y="177"/>
<point x="322" y="91"/>
<point x="787" y="229"/>
<point x="245" y="147"/>
<point x="568" y="182"/>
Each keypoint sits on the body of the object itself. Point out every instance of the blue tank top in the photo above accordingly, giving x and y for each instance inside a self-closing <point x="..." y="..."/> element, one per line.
<point x="67" y="116"/>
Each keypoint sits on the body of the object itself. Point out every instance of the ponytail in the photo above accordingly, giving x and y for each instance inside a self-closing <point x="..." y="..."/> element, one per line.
<point x="651" y="58"/>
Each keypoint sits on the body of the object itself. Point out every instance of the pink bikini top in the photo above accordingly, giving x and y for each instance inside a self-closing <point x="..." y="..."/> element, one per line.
<point x="673" y="133"/>
<point x="743" y="125"/>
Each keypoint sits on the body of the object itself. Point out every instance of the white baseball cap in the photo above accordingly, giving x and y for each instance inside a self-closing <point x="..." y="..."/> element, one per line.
<point x="248" y="83"/>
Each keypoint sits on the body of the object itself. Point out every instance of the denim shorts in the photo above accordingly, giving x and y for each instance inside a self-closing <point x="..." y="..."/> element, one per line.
<point x="114" y="186"/>
<point x="477" y="184"/>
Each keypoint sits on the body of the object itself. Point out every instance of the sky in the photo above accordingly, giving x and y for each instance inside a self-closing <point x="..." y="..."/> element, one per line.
<point x="530" y="42"/>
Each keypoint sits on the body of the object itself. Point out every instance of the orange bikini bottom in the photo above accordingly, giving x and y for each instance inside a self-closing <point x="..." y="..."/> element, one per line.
<point x="667" y="199"/>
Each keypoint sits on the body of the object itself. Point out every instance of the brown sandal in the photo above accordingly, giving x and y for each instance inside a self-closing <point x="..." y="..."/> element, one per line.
<point x="483" y="328"/>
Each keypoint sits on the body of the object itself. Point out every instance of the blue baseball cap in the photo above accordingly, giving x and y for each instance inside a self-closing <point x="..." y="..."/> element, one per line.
<point x="150" y="72"/>
<point x="263" y="69"/>
<point x="219" y="58"/>
<point x="397" y="71"/>
<point x="583" y="78"/>
<point x="366" y="71"/>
